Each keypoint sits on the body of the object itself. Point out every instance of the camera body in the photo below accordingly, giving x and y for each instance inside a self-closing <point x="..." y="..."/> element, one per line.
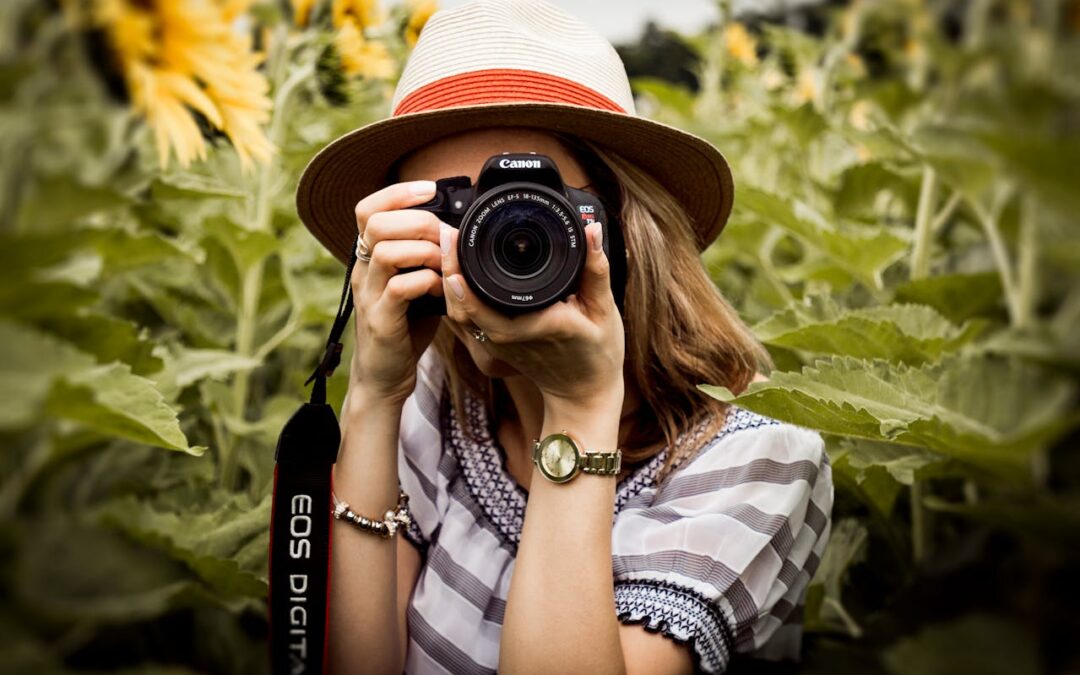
<point x="522" y="244"/>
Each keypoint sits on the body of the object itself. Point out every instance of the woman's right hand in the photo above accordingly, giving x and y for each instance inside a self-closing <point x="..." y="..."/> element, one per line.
<point x="387" y="346"/>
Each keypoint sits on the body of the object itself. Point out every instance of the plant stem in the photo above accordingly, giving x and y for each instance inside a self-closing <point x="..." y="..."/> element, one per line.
<point x="286" y="331"/>
<point x="924" y="231"/>
<point x="765" y="256"/>
<point x="1027" y="259"/>
<point x="971" y="492"/>
<point x="853" y="627"/>
<point x="919" y="538"/>
<point x="976" y="19"/>
<point x="250" y="290"/>
<point x="943" y="215"/>
<point x="260" y="217"/>
<point x="989" y="222"/>
<point x="824" y="93"/>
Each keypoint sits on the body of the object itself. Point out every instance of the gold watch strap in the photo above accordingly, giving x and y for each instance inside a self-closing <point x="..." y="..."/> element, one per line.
<point x="601" y="463"/>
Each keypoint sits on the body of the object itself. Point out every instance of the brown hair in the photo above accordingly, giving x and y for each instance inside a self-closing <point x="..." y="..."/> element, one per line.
<point x="680" y="331"/>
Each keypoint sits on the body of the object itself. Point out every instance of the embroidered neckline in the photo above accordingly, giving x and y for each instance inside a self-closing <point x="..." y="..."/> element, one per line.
<point x="498" y="494"/>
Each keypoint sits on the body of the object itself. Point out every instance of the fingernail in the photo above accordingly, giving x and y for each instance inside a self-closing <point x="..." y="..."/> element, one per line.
<point x="598" y="239"/>
<point x="422" y="188"/>
<point x="444" y="238"/>
<point x="455" y="285"/>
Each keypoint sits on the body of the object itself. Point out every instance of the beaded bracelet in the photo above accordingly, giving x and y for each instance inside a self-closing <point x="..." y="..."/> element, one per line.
<point x="386" y="528"/>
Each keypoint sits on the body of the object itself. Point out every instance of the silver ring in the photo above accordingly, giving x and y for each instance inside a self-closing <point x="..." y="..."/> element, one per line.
<point x="363" y="251"/>
<point x="480" y="335"/>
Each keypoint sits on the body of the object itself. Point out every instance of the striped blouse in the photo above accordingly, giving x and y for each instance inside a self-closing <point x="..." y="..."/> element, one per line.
<point x="717" y="556"/>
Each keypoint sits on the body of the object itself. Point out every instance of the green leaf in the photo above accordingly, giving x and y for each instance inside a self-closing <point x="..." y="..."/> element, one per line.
<point x="193" y="365"/>
<point x="185" y="366"/>
<point x="124" y="251"/>
<point x="315" y="296"/>
<point x="31" y="300"/>
<point x="106" y="337"/>
<point x="120" y="467"/>
<point x="904" y="464"/>
<point x="29" y="363"/>
<point x="246" y="246"/>
<point x="959" y="158"/>
<point x="816" y="269"/>
<point x="977" y="643"/>
<point x="872" y="486"/>
<point x="825" y="609"/>
<point x="862" y="184"/>
<point x="25" y="253"/>
<point x="183" y="185"/>
<point x="804" y="122"/>
<point x="880" y="470"/>
<point x="21" y="651"/>
<point x="66" y="569"/>
<point x="202" y="323"/>
<point x="205" y="541"/>
<point x="43" y="208"/>
<point x="992" y="413"/>
<point x="957" y="296"/>
<point x="1049" y="343"/>
<point x="1051" y="519"/>
<point x="863" y="251"/>
<point x="81" y="269"/>
<point x="113" y="401"/>
<point x="903" y="333"/>
<point x="671" y="96"/>
<point x="1043" y="165"/>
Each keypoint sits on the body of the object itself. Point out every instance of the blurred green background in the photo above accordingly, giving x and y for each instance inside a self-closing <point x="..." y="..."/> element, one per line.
<point x="905" y="242"/>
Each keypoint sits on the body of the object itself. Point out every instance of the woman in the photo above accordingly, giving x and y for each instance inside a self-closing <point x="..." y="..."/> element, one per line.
<point x="700" y="548"/>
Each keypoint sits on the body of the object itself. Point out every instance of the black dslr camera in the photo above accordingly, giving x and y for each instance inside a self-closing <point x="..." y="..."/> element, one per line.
<point x="522" y="243"/>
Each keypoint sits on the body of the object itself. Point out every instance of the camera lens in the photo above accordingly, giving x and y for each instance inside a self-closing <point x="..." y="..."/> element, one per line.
<point x="523" y="249"/>
<point x="521" y="246"/>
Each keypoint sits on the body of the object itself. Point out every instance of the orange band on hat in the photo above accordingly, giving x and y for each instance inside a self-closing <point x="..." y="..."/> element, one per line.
<point x="502" y="85"/>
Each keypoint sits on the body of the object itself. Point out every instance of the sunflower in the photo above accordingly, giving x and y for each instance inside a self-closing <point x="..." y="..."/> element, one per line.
<point x="419" y="13"/>
<point x="739" y="44"/>
<point x="360" y="55"/>
<point x="364" y="13"/>
<point x="301" y="11"/>
<point x="806" y="87"/>
<point x="179" y="56"/>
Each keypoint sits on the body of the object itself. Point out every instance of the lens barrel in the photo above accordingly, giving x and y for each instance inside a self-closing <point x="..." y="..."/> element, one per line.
<point x="522" y="247"/>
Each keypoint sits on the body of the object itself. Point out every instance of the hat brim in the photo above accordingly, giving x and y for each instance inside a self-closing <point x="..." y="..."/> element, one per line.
<point x="357" y="163"/>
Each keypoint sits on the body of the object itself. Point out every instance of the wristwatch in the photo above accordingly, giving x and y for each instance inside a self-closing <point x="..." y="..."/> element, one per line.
<point x="560" y="457"/>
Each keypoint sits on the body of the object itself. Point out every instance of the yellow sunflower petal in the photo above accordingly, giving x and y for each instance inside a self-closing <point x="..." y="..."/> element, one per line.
<point x="301" y="10"/>
<point x="231" y="9"/>
<point x="174" y="128"/>
<point x="365" y="13"/>
<point x="186" y="90"/>
<point x="739" y="43"/>
<point x="419" y="13"/>
<point x="184" y="55"/>
<point x="360" y="56"/>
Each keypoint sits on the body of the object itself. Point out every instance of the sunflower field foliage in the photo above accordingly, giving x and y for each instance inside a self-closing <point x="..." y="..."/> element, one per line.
<point x="905" y="241"/>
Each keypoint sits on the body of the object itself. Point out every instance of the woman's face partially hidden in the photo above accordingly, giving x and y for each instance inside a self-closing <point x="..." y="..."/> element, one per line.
<point x="463" y="155"/>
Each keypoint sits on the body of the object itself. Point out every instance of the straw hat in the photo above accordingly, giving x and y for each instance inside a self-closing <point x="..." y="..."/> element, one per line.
<point x="492" y="63"/>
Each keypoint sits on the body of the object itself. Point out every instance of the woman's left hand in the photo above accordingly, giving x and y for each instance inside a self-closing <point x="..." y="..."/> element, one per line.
<point x="572" y="350"/>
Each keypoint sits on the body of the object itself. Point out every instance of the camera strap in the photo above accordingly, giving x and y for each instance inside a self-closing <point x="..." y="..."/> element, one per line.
<point x="300" y="520"/>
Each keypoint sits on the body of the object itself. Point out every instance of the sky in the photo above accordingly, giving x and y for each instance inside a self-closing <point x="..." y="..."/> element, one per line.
<point x="622" y="20"/>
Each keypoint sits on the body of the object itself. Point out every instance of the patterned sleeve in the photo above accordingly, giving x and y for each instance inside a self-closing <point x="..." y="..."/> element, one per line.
<point x="420" y="452"/>
<point x="720" y="554"/>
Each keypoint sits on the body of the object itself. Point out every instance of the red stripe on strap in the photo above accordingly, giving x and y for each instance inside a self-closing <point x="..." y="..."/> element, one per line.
<point x="502" y="85"/>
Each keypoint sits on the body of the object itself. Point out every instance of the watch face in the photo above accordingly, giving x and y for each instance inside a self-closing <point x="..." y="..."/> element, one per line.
<point x="558" y="457"/>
